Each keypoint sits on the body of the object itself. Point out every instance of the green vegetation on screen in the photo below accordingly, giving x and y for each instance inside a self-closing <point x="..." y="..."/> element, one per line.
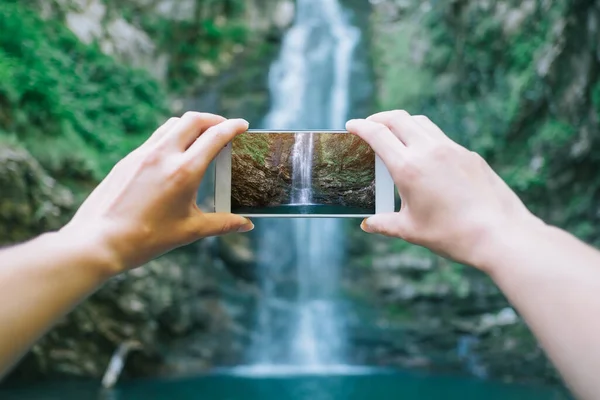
<point x="256" y="146"/>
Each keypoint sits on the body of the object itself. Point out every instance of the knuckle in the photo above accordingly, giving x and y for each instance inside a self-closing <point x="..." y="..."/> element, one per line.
<point x="400" y="114"/>
<point x="218" y="132"/>
<point x="182" y="171"/>
<point x="380" y="130"/>
<point x="194" y="116"/>
<point x="476" y="156"/>
<point x="200" y="117"/>
<point x="175" y="173"/>
<point x="163" y="144"/>
<point x="421" y="118"/>
<point x="441" y="152"/>
<point x="152" y="158"/>
<point x="373" y="131"/>
<point x="478" y="159"/>
<point x="409" y="169"/>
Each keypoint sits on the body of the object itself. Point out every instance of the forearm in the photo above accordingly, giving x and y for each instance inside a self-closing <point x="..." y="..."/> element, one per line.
<point x="40" y="281"/>
<point x="553" y="279"/>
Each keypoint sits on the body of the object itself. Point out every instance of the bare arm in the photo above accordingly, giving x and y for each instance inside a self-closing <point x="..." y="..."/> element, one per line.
<point x="145" y="207"/>
<point x="553" y="279"/>
<point x="454" y="204"/>
<point x="40" y="281"/>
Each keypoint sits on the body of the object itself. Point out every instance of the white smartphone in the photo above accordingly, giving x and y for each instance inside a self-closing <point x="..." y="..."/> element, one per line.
<point x="301" y="174"/>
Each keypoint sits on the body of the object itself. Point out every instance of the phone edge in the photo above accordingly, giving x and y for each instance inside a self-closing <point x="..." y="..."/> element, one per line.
<point x="223" y="177"/>
<point x="384" y="186"/>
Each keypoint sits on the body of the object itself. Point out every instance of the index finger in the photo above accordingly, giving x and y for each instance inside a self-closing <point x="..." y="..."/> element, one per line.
<point x="187" y="129"/>
<point x="211" y="142"/>
<point x="380" y="138"/>
<point x="402" y="125"/>
<point x="433" y="130"/>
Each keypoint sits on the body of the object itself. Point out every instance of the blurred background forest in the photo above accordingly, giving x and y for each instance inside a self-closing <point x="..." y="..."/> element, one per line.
<point x="82" y="82"/>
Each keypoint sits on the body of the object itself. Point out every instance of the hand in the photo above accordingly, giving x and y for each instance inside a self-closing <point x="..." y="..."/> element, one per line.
<point x="146" y="206"/>
<point x="452" y="201"/>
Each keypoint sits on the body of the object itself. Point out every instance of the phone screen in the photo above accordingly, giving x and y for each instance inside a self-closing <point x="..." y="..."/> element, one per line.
<point x="322" y="173"/>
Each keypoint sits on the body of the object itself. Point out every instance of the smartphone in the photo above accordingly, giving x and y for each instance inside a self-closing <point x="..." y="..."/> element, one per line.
<point x="301" y="174"/>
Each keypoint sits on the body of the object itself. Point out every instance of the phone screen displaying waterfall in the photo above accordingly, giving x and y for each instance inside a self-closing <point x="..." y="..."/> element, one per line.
<point x="302" y="173"/>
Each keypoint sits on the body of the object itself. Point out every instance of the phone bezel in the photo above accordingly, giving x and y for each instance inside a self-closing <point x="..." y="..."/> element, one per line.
<point x="384" y="185"/>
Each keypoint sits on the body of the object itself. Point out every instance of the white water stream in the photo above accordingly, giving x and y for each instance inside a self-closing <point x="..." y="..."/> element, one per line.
<point x="301" y="322"/>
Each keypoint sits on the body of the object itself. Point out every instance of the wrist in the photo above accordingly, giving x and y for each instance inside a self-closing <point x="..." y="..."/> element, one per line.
<point x="508" y="237"/>
<point x="95" y="251"/>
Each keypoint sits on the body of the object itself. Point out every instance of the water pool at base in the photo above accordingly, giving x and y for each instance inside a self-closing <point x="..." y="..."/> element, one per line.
<point x="304" y="209"/>
<point x="254" y="384"/>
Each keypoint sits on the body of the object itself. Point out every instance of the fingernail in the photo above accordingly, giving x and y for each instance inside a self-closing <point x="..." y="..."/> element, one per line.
<point x="364" y="225"/>
<point x="247" y="227"/>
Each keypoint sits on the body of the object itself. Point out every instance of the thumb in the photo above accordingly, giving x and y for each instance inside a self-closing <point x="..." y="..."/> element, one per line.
<point x="214" y="224"/>
<point x="388" y="224"/>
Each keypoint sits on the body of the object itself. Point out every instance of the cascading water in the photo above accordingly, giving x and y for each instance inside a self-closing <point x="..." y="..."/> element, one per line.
<point x="300" y="322"/>
<point x="302" y="154"/>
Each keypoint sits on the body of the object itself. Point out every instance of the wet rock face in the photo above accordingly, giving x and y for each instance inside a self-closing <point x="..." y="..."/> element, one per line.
<point x="262" y="170"/>
<point x="343" y="171"/>
<point x="31" y="201"/>
<point x="258" y="184"/>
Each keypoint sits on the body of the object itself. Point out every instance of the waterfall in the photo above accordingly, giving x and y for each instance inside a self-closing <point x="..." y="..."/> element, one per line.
<point x="302" y="158"/>
<point x="318" y="338"/>
<point x="300" y="321"/>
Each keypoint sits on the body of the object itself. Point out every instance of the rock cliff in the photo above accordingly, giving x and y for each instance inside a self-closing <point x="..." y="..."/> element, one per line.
<point x="343" y="171"/>
<point x="262" y="170"/>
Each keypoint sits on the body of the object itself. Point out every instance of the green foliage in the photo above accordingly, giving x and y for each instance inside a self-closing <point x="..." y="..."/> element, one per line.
<point x="75" y="109"/>
<point x="450" y="274"/>
<point x="254" y="145"/>
<point x="399" y="313"/>
<point x="401" y="82"/>
<point x="554" y="134"/>
<point x="214" y="31"/>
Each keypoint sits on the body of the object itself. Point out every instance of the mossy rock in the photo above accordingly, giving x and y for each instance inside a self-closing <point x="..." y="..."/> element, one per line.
<point x="31" y="201"/>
